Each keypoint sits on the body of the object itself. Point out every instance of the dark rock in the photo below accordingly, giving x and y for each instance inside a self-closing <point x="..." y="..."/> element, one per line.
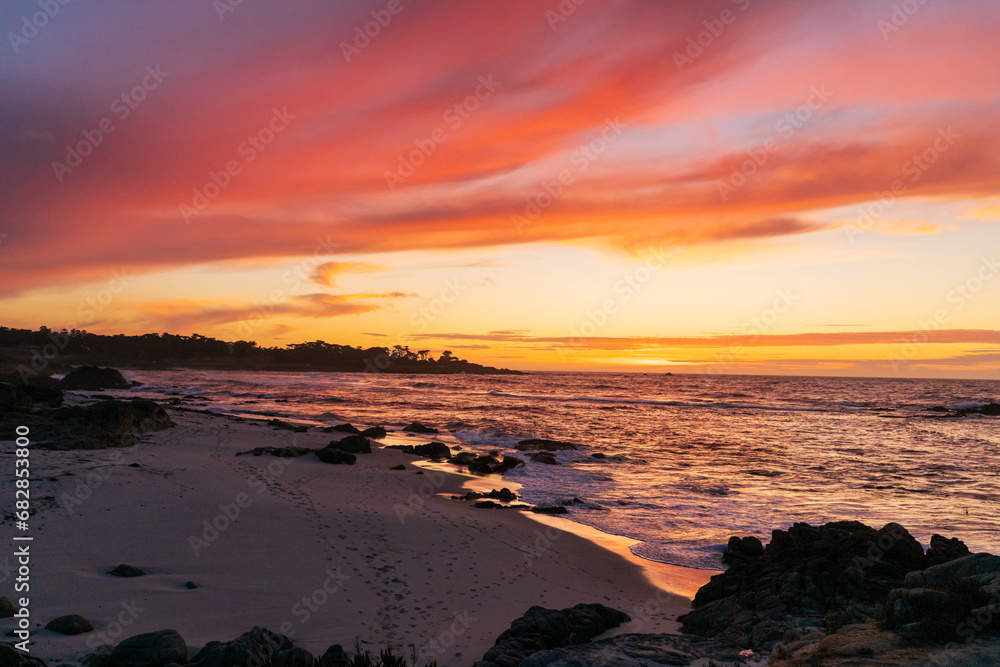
<point x="281" y="452"/>
<point x="944" y="550"/>
<point x="535" y="444"/>
<point x="636" y="649"/>
<point x="737" y="550"/>
<point x="124" y="570"/>
<point x="152" y="649"/>
<point x="92" y="378"/>
<point x="504" y="494"/>
<point x="6" y="608"/>
<point x="546" y="629"/>
<point x="11" y="657"/>
<point x="489" y="505"/>
<point x="548" y="509"/>
<point x="336" y="656"/>
<point x="355" y="444"/>
<point x="100" y="425"/>
<point x="295" y="657"/>
<point x="335" y="456"/>
<point x="433" y="450"/>
<point x="375" y="433"/>
<point x="399" y="467"/>
<point x="285" y="426"/>
<point x="599" y="455"/>
<point x="417" y="427"/>
<point x="345" y="428"/>
<point x="487" y="465"/>
<point x="73" y="624"/>
<point x="15" y="399"/>
<point x="990" y="409"/>
<point x="462" y="459"/>
<point x="544" y="457"/>
<point x="259" y="646"/>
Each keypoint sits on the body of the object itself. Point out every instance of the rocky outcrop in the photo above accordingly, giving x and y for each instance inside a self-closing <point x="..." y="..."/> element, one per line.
<point x="73" y="624"/>
<point x="346" y="428"/>
<point x="374" y="432"/>
<point x="355" y="444"/>
<point x="152" y="649"/>
<point x="92" y="378"/>
<point x="505" y="494"/>
<point x="488" y="465"/>
<point x="100" y="425"/>
<point x="336" y="456"/>
<point x="278" y="424"/>
<point x="544" y="457"/>
<point x="811" y="581"/>
<point x="536" y="444"/>
<point x="417" y="427"/>
<point x="635" y="650"/>
<point x="431" y="450"/>
<point x="542" y="629"/>
<point x="259" y="646"/>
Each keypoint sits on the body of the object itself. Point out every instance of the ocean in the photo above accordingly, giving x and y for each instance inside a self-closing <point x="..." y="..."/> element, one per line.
<point x="691" y="459"/>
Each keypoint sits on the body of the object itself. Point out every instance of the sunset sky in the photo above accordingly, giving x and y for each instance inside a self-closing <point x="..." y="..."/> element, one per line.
<point x="730" y="186"/>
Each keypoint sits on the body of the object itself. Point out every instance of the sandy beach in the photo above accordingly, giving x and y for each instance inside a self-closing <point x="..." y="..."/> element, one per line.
<point x="322" y="553"/>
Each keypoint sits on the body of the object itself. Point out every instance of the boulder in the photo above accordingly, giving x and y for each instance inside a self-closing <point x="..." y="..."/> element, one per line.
<point x="124" y="570"/>
<point x="6" y="608"/>
<point x="636" y="649"/>
<point x="399" y="467"/>
<point x="487" y="465"/>
<point x="548" y="509"/>
<point x="375" y="433"/>
<point x="544" y="457"/>
<point x="100" y="425"/>
<point x="15" y="399"/>
<point x="944" y="550"/>
<point x="355" y="444"/>
<point x="462" y="459"/>
<point x="152" y="649"/>
<point x="433" y="450"/>
<point x="259" y="646"/>
<point x="546" y="629"/>
<point x="74" y="624"/>
<point x="504" y="494"/>
<point x="345" y="428"/>
<point x="336" y="656"/>
<point x="417" y="427"/>
<point x="536" y="444"/>
<point x="285" y="426"/>
<point x="296" y="657"/>
<point x="11" y="657"/>
<point x="746" y="549"/>
<point x="92" y="378"/>
<point x="335" y="456"/>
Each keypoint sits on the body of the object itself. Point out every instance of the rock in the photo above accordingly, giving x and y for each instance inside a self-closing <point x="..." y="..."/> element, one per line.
<point x="335" y="456"/>
<point x="737" y="550"/>
<point x="944" y="550"/>
<point x="535" y="444"/>
<point x="548" y="509"/>
<point x="599" y="455"/>
<point x="487" y="465"/>
<point x="288" y="452"/>
<point x="417" y="427"/>
<point x="15" y="399"/>
<point x="636" y="650"/>
<point x="355" y="444"/>
<point x="345" y="428"/>
<point x="6" y="608"/>
<point x="336" y="656"/>
<point x="190" y="585"/>
<point x="433" y="450"/>
<point x="285" y="426"/>
<point x="295" y="657"/>
<point x="990" y="409"/>
<point x="544" y="457"/>
<point x="73" y="624"/>
<point x="399" y="467"/>
<point x="462" y="459"/>
<point x="489" y="505"/>
<point x="375" y="433"/>
<point x="11" y="657"/>
<point x="259" y="646"/>
<point x="126" y="571"/>
<point x="545" y="629"/>
<point x="100" y="425"/>
<point x="92" y="378"/>
<point x="504" y="494"/>
<point x="152" y="649"/>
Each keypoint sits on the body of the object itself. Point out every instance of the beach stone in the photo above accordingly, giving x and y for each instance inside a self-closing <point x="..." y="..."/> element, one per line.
<point x="462" y="459"/>
<point x="536" y="444"/>
<point x="335" y="456"/>
<point x="6" y="608"/>
<point x="549" y="509"/>
<point x="11" y="657"/>
<point x="544" y="457"/>
<point x="504" y="494"/>
<point x="336" y="656"/>
<point x="345" y="428"/>
<point x="354" y="444"/>
<point x="399" y="467"/>
<point x="190" y="585"/>
<point x="433" y="450"/>
<point x="488" y="465"/>
<point x="73" y="624"/>
<point x="286" y="426"/>
<point x="295" y="657"/>
<point x="259" y="646"/>
<point x="541" y="629"/>
<point x="417" y="427"/>
<point x="599" y="455"/>
<point x="151" y="649"/>
<point x="124" y="570"/>
<point x="93" y="378"/>
<point x="375" y="432"/>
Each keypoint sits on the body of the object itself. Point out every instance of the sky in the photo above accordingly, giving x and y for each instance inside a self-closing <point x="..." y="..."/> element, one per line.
<point x="711" y="186"/>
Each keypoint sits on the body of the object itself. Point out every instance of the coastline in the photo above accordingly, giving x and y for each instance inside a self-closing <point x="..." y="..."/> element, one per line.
<point x="322" y="553"/>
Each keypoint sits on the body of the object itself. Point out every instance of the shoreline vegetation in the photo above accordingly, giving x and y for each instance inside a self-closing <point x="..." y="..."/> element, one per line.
<point x="389" y="550"/>
<point x="31" y="353"/>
